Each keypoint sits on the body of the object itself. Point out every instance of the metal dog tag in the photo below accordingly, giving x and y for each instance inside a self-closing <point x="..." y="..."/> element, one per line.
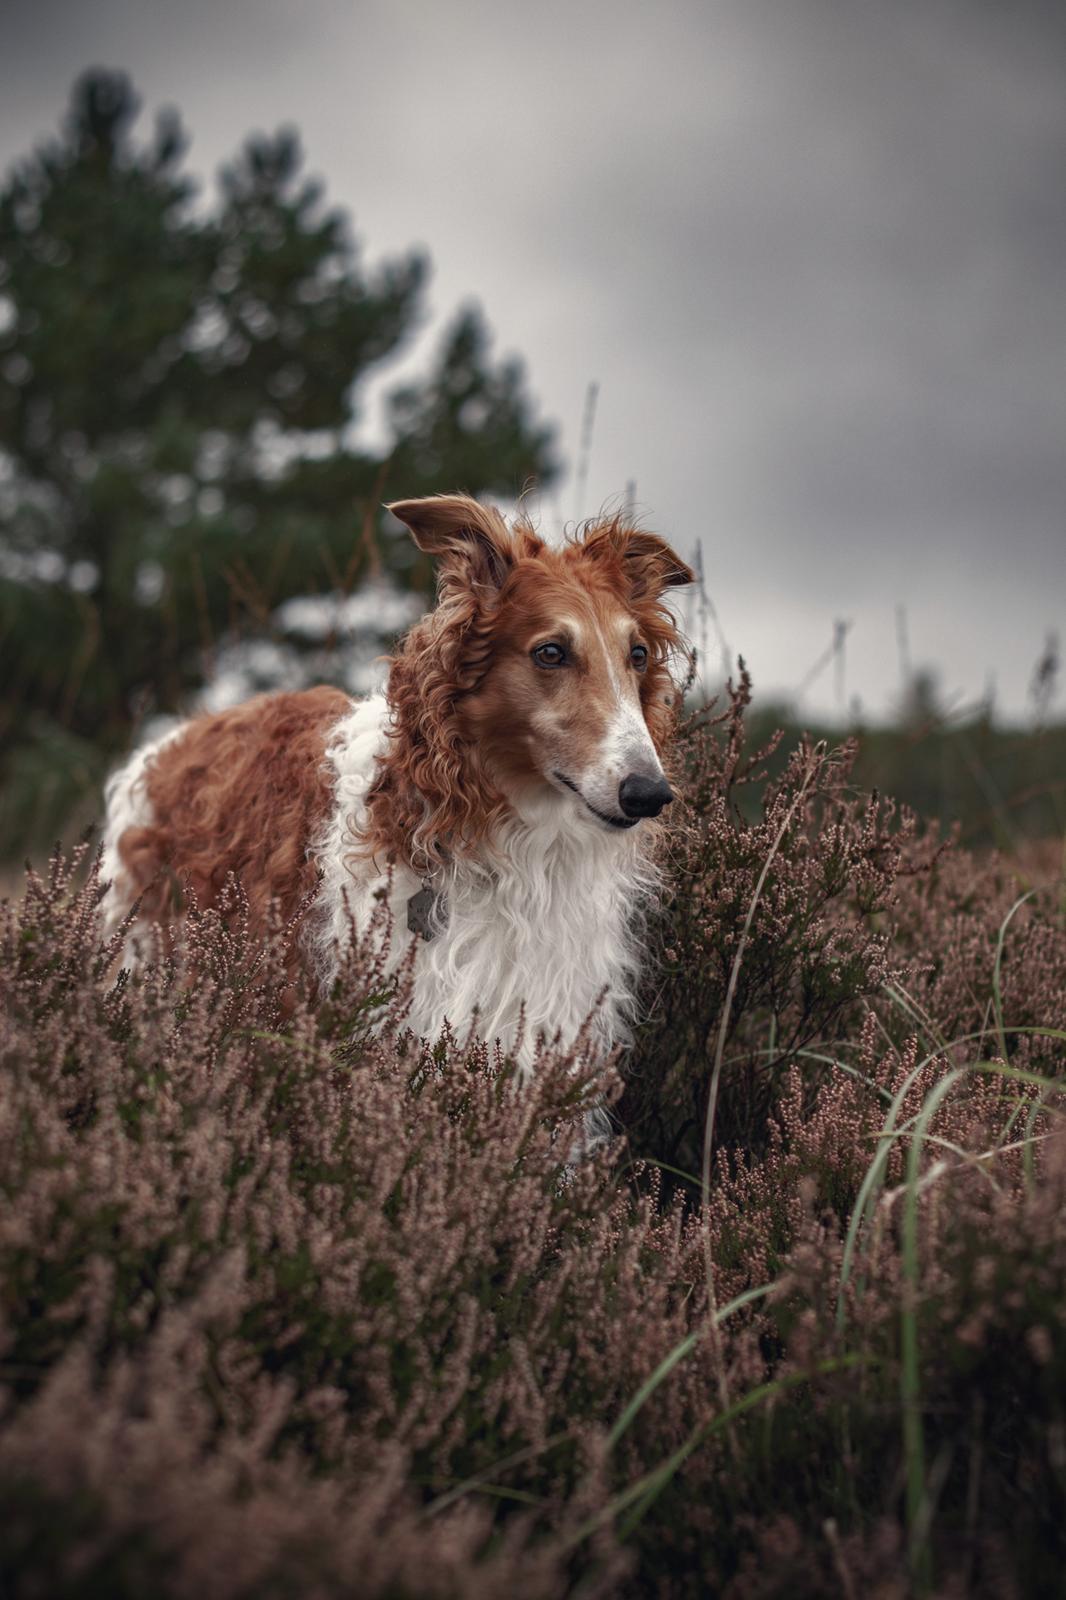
<point x="422" y="913"/>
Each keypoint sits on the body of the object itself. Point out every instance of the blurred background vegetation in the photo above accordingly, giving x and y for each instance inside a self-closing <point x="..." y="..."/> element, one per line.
<point x="189" y="509"/>
<point x="989" y="785"/>
<point x="181" y="384"/>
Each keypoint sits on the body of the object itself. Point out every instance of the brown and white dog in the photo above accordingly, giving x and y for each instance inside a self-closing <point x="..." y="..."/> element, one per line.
<point x="500" y="788"/>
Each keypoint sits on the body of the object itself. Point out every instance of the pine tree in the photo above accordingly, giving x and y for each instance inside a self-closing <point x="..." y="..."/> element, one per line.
<point x="178" y="389"/>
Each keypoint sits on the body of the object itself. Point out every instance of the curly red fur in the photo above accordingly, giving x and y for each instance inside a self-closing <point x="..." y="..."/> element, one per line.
<point x="431" y="792"/>
<point x="242" y="791"/>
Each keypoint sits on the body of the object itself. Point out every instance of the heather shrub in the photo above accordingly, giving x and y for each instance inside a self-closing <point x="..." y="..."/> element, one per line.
<point x="275" y="1284"/>
<point x="292" y="1302"/>
<point x="821" y="864"/>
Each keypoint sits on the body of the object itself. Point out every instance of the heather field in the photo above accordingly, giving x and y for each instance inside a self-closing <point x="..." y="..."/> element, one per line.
<point x="293" y="1304"/>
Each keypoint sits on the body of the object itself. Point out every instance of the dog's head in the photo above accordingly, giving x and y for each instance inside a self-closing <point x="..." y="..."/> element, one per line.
<point x="544" y="673"/>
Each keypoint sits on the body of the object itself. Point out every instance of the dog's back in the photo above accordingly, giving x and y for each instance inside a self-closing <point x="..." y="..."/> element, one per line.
<point x="240" y="792"/>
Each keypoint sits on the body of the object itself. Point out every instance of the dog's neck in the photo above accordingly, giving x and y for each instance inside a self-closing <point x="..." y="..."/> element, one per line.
<point x="537" y="929"/>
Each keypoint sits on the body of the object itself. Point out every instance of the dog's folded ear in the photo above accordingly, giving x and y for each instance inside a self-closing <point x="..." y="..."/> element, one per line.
<point x="653" y="562"/>
<point x="460" y="532"/>
<point x="647" y="561"/>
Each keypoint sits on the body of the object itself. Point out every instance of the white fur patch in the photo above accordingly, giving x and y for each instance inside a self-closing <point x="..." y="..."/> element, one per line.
<point x="350" y="884"/>
<point x="626" y="746"/>
<point x="536" y="929"/>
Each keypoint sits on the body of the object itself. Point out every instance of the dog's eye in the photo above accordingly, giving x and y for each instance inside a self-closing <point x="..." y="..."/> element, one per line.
<point x="639" y="656"/>
<point x="549" y="655"/>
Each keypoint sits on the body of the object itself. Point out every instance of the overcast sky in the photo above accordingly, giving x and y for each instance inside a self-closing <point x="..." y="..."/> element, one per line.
<point x="813" y="253"/>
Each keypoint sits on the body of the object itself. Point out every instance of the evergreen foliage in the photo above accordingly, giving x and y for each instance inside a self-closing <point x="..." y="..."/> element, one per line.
<point x="179" y="389"/>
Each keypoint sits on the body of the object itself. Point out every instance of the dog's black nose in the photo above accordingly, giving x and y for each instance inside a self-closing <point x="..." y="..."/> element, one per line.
<point x="643" y="797"/>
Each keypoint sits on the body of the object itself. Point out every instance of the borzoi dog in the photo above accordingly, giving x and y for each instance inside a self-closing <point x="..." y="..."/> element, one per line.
<point x="500" y="792"/>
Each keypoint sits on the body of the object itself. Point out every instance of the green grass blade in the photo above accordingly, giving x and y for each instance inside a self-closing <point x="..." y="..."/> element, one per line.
<point x="678" y="1353"/>
<point x="997" y="972"/>
<point x="910" y="1374"/>
<point x="866" y="1199"/>
<point x="865" y="1203"/>
<point x="646" y="1490"/>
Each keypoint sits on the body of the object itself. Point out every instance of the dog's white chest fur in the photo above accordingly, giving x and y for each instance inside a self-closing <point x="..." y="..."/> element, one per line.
<point x="532" y="936"/>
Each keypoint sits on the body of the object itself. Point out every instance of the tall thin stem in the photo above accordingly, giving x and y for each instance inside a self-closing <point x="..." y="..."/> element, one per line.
<point x="817" y="756"/>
